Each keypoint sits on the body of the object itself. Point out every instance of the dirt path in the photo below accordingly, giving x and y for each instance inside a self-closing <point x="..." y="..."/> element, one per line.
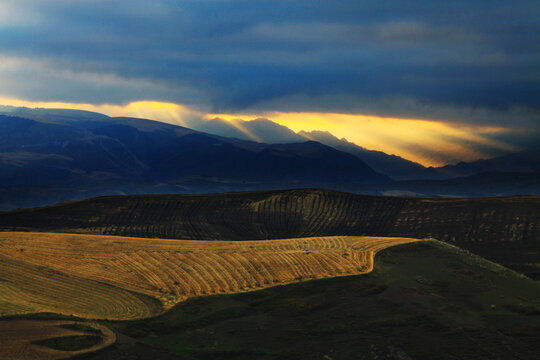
<point x="18" y="335"/>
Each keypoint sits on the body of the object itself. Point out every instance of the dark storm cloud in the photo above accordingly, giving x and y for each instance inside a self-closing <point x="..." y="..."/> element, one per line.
<point x="232" y="55"/>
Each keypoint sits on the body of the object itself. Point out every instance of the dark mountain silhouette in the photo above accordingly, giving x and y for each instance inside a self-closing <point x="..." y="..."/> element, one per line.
<point x="478" y="185"/>
<point x="59" y="115"/>
<point x="264" y="130"/>
<point x="115" y="154"/>
<point x="525" y="161"/>
<point x="52" y="155"/>
<point x="396" y="167"/>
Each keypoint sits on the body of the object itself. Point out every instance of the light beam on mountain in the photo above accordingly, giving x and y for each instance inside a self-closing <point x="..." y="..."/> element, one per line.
<point x="429" y="142"/>
<point x="161" y="111"/>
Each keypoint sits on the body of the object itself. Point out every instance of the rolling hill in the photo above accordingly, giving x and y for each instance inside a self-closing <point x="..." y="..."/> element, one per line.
<point x="335" y="299"/>
<point x="423" y="301"/>
<point x="505" y="230"/>
<point x="32" y="339"/>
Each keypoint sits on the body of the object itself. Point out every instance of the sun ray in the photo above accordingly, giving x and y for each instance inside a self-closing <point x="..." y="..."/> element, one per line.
<point x="429" y="142"/>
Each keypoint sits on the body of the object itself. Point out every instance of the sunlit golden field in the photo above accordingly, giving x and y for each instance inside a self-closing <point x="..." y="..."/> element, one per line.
<point x="125" y="278"/>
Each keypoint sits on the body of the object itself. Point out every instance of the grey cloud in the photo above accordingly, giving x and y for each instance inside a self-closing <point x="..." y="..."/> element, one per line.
<point x="448" y="59"/>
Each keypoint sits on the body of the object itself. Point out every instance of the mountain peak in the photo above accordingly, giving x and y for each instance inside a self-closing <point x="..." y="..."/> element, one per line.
<point x="325" y="137"/>
<point x="260" y="130"/>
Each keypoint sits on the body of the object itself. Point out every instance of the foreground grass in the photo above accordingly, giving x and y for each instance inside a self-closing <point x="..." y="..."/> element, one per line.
<point x="424" y="300"/>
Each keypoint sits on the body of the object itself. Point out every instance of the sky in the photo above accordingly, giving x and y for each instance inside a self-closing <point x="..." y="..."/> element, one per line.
<point x="434" y="81"/>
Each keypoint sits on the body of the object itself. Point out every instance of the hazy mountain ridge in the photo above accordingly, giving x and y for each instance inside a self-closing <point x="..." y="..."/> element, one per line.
<point x="59" y="155"/>
<point x="396" y="167"/>
<point x="262" y="130"/>
<point x="265" y="130"/>
<point x="145" y="150"/>
<point x="525" y="161"/>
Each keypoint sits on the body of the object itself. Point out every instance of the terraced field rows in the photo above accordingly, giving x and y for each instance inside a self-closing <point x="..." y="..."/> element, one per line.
<point x="26" y="287"/>
<point x="289" y="214"/>
<point x="112" y="277"/>
<point x="504" y="230"/>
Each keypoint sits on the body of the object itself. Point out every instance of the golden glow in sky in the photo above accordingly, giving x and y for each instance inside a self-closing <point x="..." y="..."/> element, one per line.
<point x="423" y="141"/>
<point x="153" y="110"/>
<point x="409" y="138"/>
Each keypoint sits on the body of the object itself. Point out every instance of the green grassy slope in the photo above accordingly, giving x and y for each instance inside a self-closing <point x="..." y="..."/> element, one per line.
<point x="425" y="300"/>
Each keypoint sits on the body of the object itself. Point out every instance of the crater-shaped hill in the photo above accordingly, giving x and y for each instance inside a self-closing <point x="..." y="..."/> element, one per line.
<point x="505" y="230"/>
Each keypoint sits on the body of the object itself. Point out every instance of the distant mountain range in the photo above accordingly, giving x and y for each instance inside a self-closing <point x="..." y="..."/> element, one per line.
<point x="525" y="161"/>
<point x="393" y="166"/>
<point x="61" y="149"/>
<point x="260" y="130"/>
<point x="50" y="155"/>
<point x="270" y="132"/>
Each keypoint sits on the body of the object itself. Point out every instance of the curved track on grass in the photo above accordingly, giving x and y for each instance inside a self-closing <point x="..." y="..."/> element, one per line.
<point x="18" y="335"/>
